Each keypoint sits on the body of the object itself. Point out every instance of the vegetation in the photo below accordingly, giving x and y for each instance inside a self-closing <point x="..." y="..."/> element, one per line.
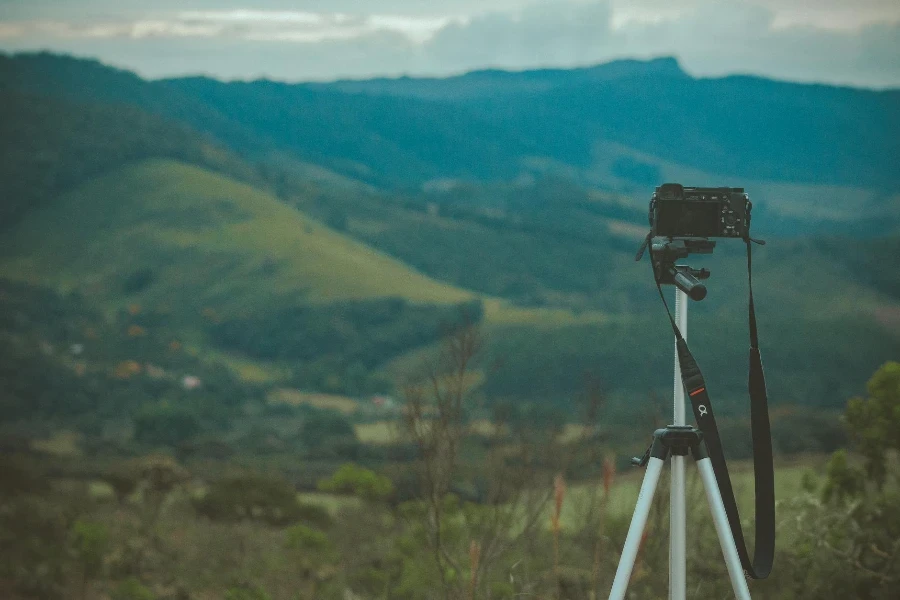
<point x="493" y="514"/>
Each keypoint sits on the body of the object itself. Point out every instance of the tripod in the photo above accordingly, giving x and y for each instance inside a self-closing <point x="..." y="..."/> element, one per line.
<point x="677" y="441"/>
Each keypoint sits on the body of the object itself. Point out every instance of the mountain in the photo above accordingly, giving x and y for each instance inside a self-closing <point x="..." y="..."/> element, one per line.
<point x="813" y="157"/>
<point x="737" y="126"/>
<point x="499" y="83"/>
<point x="390" y="140"/>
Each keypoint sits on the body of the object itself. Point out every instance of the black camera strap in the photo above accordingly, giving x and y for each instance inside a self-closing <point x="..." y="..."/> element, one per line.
<point x="763" y="469"/>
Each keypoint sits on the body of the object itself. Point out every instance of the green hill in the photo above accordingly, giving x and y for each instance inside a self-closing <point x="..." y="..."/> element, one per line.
<point x="48" y="145"/>
<point x="181" y="239"/>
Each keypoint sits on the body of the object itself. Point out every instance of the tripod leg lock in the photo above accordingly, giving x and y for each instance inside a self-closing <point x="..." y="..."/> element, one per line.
<point x="641" y="461"/>
<point x="679" y="440"/>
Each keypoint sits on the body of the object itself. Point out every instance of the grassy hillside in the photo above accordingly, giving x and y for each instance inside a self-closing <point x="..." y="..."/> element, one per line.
<point x="49" y="145"/>
<point x="181" y="239"/>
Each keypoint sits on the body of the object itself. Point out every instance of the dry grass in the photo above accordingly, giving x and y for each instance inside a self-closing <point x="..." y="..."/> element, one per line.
<point x="61" y="443"/>
<point x="342" y="404"/>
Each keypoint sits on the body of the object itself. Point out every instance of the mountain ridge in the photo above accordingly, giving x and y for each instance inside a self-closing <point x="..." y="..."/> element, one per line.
<point x="737" y="127"/>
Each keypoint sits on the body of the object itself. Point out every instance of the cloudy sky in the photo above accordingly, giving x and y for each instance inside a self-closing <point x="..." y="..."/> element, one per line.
<point x="853" y="42"/>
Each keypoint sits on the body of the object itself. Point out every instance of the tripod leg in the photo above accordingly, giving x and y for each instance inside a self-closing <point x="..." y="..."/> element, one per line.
<point x="726" y="539"/>
<point x="636" y="529"/>
<point x="677" y="531"/>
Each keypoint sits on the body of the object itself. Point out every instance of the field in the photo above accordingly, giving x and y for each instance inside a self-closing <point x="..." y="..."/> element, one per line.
<point x="791" y="477"/>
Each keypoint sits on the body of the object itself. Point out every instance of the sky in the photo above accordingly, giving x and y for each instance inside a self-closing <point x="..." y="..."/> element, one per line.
<point x="847" y="42"/>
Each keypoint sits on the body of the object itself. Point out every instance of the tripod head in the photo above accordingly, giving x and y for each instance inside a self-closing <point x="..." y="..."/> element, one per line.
<point x="685" y="278"/>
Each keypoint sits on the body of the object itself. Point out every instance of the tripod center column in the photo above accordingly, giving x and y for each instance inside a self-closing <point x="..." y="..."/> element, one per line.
<point x="677" y="504"/>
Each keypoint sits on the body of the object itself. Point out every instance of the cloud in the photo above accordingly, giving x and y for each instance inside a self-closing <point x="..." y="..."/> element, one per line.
<point x="543" y="34"/>
<point x="723" y="38"/>
<point x="253" y="25"/>
<point x="314" y="39"/>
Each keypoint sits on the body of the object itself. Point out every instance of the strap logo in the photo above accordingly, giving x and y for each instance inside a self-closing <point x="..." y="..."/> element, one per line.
<point x="702" y="410"/>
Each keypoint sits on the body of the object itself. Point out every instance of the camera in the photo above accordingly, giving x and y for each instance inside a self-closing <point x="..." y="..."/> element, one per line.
<point x="678" y="211"/>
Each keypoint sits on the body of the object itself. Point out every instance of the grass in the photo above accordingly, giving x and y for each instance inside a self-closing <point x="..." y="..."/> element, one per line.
<point x="247" y="369"/>
<point x="342" y="404"/>
<point x="333" y="503"/>
<point x="207" y="242"/>
<point x="499" y="312"/>
<point x="789" y="476"/>
<point x="377" y="433"/>
<point x="61" y="443"/>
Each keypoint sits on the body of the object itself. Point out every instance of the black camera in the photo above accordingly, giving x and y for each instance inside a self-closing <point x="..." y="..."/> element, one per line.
<point x="678" y="211"/>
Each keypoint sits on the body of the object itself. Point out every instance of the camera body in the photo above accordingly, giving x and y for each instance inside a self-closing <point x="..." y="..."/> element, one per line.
<point x="678" y="211"/>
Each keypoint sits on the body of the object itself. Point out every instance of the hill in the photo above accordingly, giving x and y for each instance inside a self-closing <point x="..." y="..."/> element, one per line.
<point x="162" y="233"/>
<point x="48" y="145"/>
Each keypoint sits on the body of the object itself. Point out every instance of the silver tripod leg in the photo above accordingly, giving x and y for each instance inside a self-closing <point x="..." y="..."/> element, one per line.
<point x="726" y="539"/>
<point x="636" y="529"/>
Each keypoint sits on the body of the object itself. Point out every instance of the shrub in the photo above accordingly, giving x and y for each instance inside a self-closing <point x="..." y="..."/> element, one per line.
<point x="258" y="497"/>
<point x="359" y="481"/>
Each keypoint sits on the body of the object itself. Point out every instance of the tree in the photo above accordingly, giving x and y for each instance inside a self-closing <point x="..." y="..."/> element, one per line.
<point x="327" y="432"/>
<point x="316" y="555"/>
<point x="469" y="543"/>
<point x="359" y="481"/>
<point x="859" y="540"/>
<point x="874" y="422"/>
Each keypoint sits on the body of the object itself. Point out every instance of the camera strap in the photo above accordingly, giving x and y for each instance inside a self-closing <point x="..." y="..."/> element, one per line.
<point x="763" y="470"/>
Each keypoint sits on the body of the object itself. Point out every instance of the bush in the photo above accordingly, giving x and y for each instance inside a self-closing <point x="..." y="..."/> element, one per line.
<point x="256" y="497"/>
<point x="301" y="537"/>
<point x="313" y="514"/>
<point x="359" y="481"/>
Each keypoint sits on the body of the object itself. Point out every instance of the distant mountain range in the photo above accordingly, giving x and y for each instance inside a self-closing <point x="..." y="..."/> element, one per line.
<point x="807" y="153"/>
